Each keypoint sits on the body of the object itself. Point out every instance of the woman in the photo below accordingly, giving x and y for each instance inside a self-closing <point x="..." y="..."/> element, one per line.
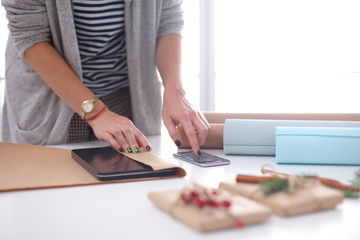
<point x="55" y="73"/>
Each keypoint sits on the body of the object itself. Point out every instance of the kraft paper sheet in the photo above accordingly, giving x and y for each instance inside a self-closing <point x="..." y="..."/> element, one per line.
<point x="25" y="166"/>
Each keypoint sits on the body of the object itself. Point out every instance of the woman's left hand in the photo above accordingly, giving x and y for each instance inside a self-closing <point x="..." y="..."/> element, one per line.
<point x="177" y="110"/>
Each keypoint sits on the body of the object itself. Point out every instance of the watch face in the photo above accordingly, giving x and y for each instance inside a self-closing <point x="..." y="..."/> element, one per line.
<point x="88" y="107"/>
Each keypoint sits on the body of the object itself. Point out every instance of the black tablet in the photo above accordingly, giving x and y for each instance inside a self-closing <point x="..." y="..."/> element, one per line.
<point x="105" y="164"/>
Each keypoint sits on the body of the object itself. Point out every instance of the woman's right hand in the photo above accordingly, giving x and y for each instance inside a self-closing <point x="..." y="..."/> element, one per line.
<point x="119" y="132"/>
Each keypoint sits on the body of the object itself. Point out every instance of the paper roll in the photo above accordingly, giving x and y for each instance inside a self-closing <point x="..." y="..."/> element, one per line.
<point x="214" y="139"/>
<point x="324" y="145"/>
<point x="216" y="117"/>
<point x="217" y="120"/>
<point x="257" y="137"/>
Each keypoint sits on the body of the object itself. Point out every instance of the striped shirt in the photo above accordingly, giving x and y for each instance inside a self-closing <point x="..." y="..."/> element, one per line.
<point x="100" y="33"/>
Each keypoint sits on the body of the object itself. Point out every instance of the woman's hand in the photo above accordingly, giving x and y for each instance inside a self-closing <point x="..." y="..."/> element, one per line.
<point x="177" y="110"/>
<point x="119" y="131"/>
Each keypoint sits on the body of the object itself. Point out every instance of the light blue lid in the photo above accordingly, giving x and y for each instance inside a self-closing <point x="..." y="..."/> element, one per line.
<point x="319" y="131"/>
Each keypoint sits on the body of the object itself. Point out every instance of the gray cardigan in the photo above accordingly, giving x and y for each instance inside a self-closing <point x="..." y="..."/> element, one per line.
<point x="32" y="112"/>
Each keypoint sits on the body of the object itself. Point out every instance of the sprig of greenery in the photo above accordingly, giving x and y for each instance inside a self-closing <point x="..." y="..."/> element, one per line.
<point x="351" y="194"/>
<point x="268" y="187"/>
<point x="357" y="173"/>
<point x="271" y="186"/>
<point x="354" y="182"/>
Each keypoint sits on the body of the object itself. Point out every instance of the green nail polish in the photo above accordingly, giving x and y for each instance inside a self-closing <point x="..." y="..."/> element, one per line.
<point x="137" y="149"/>
<point x="129" y="150"/>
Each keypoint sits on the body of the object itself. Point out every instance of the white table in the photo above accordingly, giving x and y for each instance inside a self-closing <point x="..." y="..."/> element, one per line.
<point x="123" y="211"/>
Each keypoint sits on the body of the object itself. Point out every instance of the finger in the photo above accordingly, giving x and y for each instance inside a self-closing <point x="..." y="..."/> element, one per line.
<point x="201" y="129"/>
<point x="141" y="140"/>
<point x="129" y="135"/>
<point x="111" y="140"/>
<point x="204" y="120"/>
<point x="173" y="131"/>
<point x="121" y="141"/>
<point x="192" y="136"/>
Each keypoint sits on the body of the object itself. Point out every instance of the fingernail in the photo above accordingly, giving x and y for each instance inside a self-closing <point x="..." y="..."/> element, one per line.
<point x="129" y="150"/>
<point x="136" y="149"/>
<point x="178" y="143"/>
<point x="148" y="148"/>
<point x="121" y="150"/>
<point x="199" y="153"/>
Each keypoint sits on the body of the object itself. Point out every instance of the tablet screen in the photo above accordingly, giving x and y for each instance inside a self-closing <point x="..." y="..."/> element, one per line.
<point x="106" y="164"/>
<point x="106" y="160"/>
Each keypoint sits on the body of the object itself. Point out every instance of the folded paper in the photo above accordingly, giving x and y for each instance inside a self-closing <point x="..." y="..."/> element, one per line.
<point x="257" y="137"/>
<point x="25" y="166"/>
<point x="322" y="145"/>
<point x="204" y="220"/>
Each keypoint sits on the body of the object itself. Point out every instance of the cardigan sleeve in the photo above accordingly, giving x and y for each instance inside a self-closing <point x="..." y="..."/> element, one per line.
<point x="171" y="21"/>
<point x="27" y="22"/>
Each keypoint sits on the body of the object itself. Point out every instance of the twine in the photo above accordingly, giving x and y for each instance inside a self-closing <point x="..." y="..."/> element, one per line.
<point x="296" y="182"/>
<point x="217" y="213"/>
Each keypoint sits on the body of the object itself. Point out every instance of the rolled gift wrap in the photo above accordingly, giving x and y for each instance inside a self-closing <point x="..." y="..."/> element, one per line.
<point x="303" y="200"/>
<point x="257" y="137"/>
<point x="217" y="120"/>
<point x="318" y="145"/>
<point x="214" y="139"/>
<point x="220" y="117"/>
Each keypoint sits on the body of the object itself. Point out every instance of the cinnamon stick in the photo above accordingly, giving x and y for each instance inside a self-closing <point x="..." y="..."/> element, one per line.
<point x="325" y="181"/>
<point x="252" y="178"/>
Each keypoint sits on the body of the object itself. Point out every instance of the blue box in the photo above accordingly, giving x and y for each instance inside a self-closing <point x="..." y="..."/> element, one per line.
<point x="318" y="145"/>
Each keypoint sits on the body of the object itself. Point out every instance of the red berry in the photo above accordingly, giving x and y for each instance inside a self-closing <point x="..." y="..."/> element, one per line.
<point x="193" y="193"/>
<point x="240" y="223"/>
<point x="209" y="202"/>
<point x="215" y="204"/>
<point x="200" y="202"/>
<point x="226" y="203"/>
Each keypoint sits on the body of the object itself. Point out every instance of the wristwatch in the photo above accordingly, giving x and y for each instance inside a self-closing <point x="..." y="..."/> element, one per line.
<point x="87" y="107"/>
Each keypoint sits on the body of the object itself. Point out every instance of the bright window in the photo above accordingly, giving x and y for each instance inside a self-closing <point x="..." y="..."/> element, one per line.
<point x="287" y="56"/>
<point x="277" y="55"/>
<point x="191" y="57"/>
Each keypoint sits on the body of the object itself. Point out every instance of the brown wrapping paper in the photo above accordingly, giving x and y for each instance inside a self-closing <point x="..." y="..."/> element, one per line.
<point x="216" y="117"/>
<point x="303" y="200"/>
<point x="217" y="120"/>
<point x="204" y="221"/>
<point x="25" y="166"/>
<point x="214" y="140"/>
